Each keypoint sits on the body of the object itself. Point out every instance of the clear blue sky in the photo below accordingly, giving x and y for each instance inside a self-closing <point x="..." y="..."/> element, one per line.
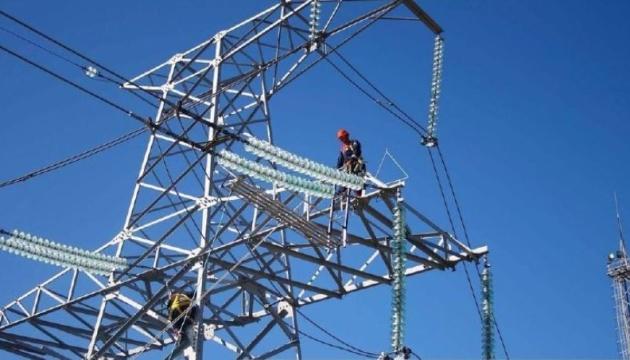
<point x="534" y="124"/>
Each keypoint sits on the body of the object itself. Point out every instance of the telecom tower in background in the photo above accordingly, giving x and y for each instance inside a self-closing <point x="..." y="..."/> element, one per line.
<point x="619" y="271"/>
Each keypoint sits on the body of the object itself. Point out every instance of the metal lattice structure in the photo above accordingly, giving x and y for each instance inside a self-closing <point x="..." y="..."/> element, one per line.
<point x="619" y="271"/>
<point x="251" y="252"/>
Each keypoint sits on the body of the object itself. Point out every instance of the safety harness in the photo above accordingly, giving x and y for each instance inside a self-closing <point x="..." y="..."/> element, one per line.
<point x="354" y="164"/>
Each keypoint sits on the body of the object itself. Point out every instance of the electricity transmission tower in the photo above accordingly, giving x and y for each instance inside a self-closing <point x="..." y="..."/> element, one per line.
<point x="252" y="253"/>
<point x="619" y="271"/>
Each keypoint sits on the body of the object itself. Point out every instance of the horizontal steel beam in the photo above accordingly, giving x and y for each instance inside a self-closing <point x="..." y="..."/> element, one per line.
<point x="423" y="16"/>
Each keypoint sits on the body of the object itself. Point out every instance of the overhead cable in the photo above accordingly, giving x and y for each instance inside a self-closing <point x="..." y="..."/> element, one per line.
<point x="73" y="84"/>
<point x="327" y="332"/>
<point x="450" y="219"/>
<point x="43" y="48"/>
<point x="463" y="223"/>
<point x="75" y="158"/>
<point x="371" y="84"/>
<point x="146" y="121"/>
<point x="372" y="97"/>
<point x="322" y="342"/>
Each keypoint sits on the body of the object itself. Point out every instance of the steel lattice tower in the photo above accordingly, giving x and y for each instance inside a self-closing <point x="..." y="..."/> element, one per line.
<point x="248" y="250"/>
<point x="619" y="271"/>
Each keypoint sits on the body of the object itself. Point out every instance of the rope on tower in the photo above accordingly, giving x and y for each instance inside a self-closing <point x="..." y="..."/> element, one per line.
<point x="430" y="139"/>
<point x="303" y="165"/>
<point x="234" y="162"/>
<point x="50" y="252"/>
<point x="398" y="277"/>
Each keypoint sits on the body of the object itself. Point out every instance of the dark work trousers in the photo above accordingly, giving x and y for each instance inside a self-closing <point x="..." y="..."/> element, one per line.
<point x="186" y="338"/>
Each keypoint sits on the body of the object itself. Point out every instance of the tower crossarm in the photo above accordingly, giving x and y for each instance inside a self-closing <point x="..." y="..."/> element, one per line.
<point x="328" y="277"/>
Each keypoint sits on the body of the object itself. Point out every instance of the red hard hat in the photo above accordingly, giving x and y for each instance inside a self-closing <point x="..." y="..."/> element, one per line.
<point x="342" y="134"/>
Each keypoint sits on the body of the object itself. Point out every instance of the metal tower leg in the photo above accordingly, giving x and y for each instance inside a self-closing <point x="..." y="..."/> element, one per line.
<point x="124" y="235"/>
<point x="205" y="237"/>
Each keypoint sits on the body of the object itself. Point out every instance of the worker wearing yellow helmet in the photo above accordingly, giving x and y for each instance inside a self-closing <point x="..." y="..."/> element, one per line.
<point x="181" y="312"/>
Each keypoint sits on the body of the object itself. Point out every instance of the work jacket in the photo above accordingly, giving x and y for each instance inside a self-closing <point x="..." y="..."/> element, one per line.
<point x="350" y="158"/>
<point x="349" y="152"/>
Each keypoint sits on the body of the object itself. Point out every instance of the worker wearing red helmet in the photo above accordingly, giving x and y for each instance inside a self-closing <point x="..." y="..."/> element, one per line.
<point x="350" y="158"/>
